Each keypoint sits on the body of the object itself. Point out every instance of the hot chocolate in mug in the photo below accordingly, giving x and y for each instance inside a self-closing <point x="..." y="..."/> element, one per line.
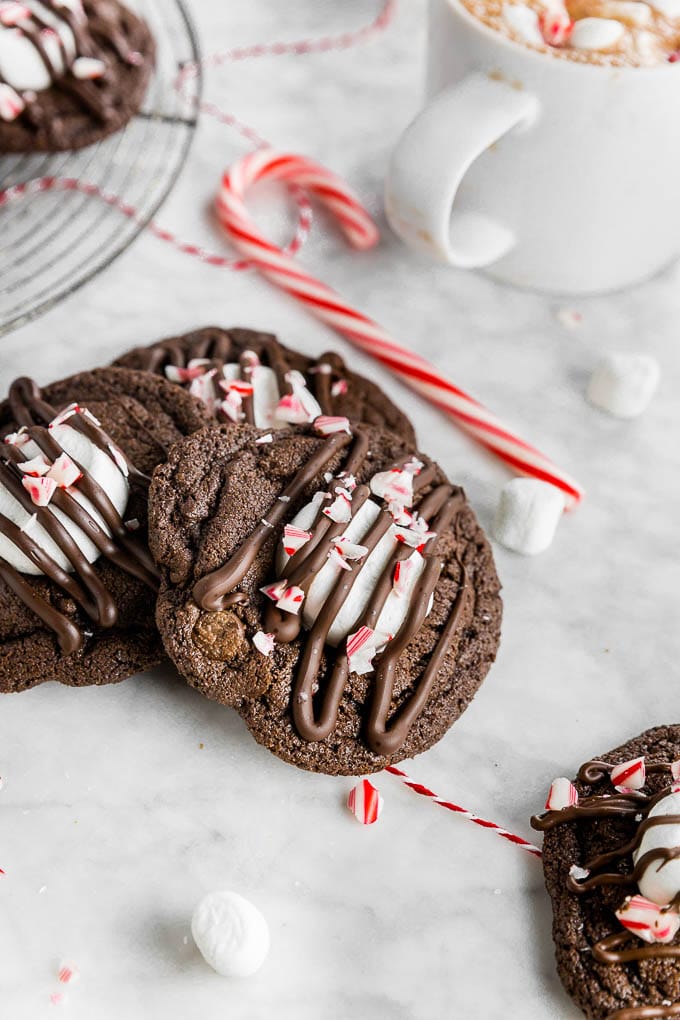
<point x="550" y="173"/>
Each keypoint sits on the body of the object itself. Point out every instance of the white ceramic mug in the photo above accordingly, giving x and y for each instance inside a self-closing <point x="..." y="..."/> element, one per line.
<point x="550" y="174"/>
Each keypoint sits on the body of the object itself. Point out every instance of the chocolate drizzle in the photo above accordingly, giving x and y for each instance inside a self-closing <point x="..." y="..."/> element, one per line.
<point x="218" y="347"/>
<point x="621" y="947"/>
<point x="113" y="541"/>
<point x="92" y="34"/>
<point x="315" y="711"/>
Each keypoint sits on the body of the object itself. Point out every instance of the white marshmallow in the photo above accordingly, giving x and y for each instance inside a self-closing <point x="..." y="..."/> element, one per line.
<point x="596" y="34"/>
<point x="660" y="882"/>
<point x="527" y="516"/>
<point x="523" y="22"/>
<point x="231" y="934"/>
<point x="624" y="384"/>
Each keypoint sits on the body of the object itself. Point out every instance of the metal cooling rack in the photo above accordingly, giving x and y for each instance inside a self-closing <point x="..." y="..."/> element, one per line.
<point x="53" y="243"/>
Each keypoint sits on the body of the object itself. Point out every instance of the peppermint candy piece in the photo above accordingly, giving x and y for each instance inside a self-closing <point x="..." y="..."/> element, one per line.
<point x="328" y="424"/>
<point x="335" y="556"/>
<point x="88" y="68"/>
<point x="11" y="103"/>
<point x="675" y="770"/>
<point x="203" y="388"/>
<point x="264" y="642"/>
<point x="37" y="466"/>
<point x="403" y="572"/>
<point x="339" y="388"/>
<point x="648" y="920"/>
<point x="365" y="802"/>
<point x="596" y="34"/>
<point x="413" y="537"/>
<point x="291" y="600"/>
<point x="394" y="486"/>
<point x="340" y="509"/>
<point x="275" y="591"/>
<point x="64" y="415"/>
<point x="11" y="14"/>
<point x="65" y="472"/>
<point x="522" y="23"/>
<point x="231" y="406"/>
<point x="362" y="647"/>
<point x="294" y="538"/>
<point x="264" y="439"/>
<point x="176" y="374"/>
<point x="350" y="550"/>
<point x="19" y="438"/>
<point x="556" y="26"/>
<point x="562" y="794"/>
<point x="40" y="490"/>
<point x="67" y="974"/>
<point x="299" y="407"/>
<point x="631" y="775"/>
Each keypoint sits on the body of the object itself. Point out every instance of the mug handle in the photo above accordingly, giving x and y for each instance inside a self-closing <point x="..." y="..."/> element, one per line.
<point x="431" y="160"/>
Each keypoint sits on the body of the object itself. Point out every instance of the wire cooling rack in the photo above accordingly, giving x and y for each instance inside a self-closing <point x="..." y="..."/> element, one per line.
<point x="52" y="243"/>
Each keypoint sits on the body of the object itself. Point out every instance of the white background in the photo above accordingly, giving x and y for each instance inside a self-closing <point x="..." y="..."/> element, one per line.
<point x="123" y="805"/>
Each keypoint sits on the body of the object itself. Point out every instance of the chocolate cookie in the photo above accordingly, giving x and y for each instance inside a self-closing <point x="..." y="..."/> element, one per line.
<point x="335" y="588"/>
<point x="246" y="376"/>
<point x="77" y="582"/>
<point x="71" y="72"/>
<point x="611" y="856"/>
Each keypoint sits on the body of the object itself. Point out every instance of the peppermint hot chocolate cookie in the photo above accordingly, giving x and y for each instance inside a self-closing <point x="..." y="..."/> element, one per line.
<point x="71" y="72"/>
<point x="77" y="582"/>
<point x="246" y="376"/>
<point x="334" y="587"/>
<point x="611" y="856"/>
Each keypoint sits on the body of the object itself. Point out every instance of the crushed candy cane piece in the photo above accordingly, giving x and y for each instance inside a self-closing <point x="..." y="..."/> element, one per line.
<point x="362" y="647"/>
<point x="11" y="103"/>
<point x="291" y="410"/>
<point x="365" y="802"/>
<point x="11" y="13"/>
<point x="40" y="490"/>
<point x="412" y="537"/>
<point x="336" y="557"/>
<point x="291" y="600"/>
<point x="133" y="524"/>
<point x="264" y="439"/>
<point x="86" y="413"/>
<point x="328" y="424"/>
<point x="274" y="591"/>
<point x="240" y="386"/>
<point x="176" y="374"/>
<point x="403" y="572"/>
<point x="350" y="550"/>
<point x="556" y="26"/>
<point x="30" y="523"/>
<point x="37" y="466"/>
<point x="395" y="485"/>
<point x="68" y="974"/>
<point x="203" y="388"/>
<point x="340" y="509"/>
<point x="294" y="538"/>
<point x="88" y="68"/>
<point x="19" y="438"/>
<point x="339" y="388"/>
<point x="64" y="415"/>
<point x="675" y="770"/>
<point x="231" y="406"/>
<point x="264" y="642"/>
<point x="65" y="472"/>
<point x="578" y="874"/>
<point x="348" y="481"/>
<point x="56" y="998"/>
<point x="570" y="318"/>
<point x="648" y="920"/>
<point x="630" y="775"/>
<point x="562" y="794"/>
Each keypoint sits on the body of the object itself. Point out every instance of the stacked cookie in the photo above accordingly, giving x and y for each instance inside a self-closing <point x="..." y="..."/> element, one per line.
<point x="313" y="569"/>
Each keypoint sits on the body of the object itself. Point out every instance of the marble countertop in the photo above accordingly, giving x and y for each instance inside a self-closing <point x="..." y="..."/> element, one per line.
<point x="122" y="805"/>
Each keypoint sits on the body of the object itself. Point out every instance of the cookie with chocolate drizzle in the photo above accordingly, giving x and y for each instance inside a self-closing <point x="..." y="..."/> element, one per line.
<point x="71" y="72"/>
<point x="77" y="582"/>
<point x="328" y="582"/>
<point x="249" y="377"/>
<point x="611" y="857"/>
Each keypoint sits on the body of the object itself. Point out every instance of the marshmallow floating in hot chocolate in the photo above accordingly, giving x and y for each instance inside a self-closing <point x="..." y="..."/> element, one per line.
<point x="624" y="384"/>
<point x="527" y="516"/>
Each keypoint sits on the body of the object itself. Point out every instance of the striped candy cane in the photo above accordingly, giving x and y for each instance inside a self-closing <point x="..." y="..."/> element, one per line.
<point x="364" y="333"/>
<point x="423" y="791"/>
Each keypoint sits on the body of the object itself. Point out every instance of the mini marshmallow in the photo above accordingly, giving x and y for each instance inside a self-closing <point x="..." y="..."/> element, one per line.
<point x="624" y="384"/>
<point x="527" y="516"/>
<point x="669" y="8"/>
<point x="523" y="22"/>
<point x="231" y="934"/>
<point x="596" y="34"/>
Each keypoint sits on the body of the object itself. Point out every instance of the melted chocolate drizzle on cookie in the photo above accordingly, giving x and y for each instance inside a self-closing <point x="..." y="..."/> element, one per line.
<point x="92" y="33"/>
<point x="621" y="947"/>
<point x="34" y="416"/>
<point x="220" y="349"/>
<point x="441" y="507"/>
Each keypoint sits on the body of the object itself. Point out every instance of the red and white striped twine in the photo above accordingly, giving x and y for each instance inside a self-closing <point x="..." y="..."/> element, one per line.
<point x="423" y="791"/>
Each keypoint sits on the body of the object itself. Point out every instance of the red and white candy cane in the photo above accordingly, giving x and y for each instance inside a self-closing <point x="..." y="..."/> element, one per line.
<point x="364" y="333"/>
<point x="423" y="791"/>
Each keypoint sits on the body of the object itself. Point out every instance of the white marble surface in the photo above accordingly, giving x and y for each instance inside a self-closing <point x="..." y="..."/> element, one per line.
<point x="123" y="805"/>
